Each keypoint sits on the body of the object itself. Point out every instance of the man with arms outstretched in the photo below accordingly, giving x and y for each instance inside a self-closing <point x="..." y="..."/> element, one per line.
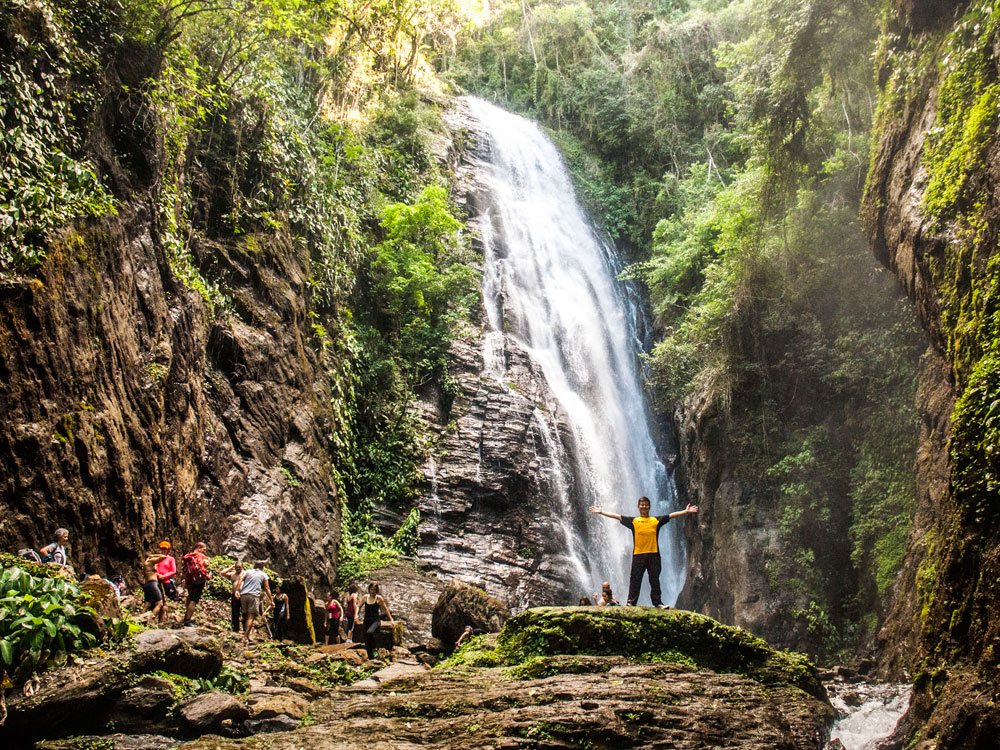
<point x="645" y="550"/>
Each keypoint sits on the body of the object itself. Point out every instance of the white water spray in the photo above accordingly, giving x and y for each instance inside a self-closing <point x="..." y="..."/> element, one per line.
<point x="550" y="283"/>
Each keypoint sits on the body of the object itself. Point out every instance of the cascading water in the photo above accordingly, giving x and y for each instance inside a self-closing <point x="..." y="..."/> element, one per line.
<point x="550" y="283"/>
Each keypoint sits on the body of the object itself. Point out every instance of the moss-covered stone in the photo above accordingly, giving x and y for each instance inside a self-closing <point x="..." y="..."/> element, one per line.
<point x="536" y="642"/>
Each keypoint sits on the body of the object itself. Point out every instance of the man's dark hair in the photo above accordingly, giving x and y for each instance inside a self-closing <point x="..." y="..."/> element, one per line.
<point x="644" y="498"/>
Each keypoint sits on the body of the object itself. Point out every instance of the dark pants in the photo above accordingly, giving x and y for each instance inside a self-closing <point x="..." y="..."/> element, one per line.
<point x="371" y="630"/>
<point x="279" y="628"/>
<point x="235" y="614"/>
<point x="641" y="564"/>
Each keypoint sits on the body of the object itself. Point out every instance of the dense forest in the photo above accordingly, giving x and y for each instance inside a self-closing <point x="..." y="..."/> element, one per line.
<point x="236" y="262"/>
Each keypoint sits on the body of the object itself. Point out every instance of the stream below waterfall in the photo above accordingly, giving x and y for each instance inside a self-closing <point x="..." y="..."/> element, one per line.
<point x="867" y="712"/>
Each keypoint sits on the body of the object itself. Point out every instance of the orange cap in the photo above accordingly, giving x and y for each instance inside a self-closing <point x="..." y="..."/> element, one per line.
<point x="164" y="545"/>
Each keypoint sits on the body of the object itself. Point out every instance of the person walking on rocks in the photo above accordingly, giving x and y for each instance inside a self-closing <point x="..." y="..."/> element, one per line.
<point x="350" y="611"/>
<point x="234" y="573"/>
<point x="331" y="623"/>
<point x="253" y="582"/>
<point x="374" y="606"/>
<point x="152" y="594"/>
<point x="281" y="612"/>
<point x="645" y="550"/>
<point x="196" y="575"/>
<point x="166" y="571"/>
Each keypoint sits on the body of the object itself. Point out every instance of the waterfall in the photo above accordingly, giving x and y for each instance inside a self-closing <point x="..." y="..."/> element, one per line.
<point x="550" y="283"/>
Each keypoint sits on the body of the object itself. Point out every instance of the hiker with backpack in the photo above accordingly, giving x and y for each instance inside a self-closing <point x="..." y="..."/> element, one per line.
<point x="56" y="551"/>
<point x="196" y="575"/>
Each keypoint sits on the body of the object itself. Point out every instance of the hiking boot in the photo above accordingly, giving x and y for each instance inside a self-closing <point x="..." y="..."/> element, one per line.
<point x="663" y="606"/>
<point x="187" y="624"/>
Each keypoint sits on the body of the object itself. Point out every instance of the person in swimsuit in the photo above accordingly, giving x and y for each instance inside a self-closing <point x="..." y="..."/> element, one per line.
<point x="645" y="551"/>
<point x="374" y="605"/>
<point x="151" y="591"/>
<point x="350" y="611"/>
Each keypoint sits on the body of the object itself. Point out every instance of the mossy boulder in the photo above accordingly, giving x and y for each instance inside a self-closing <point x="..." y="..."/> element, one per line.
<point x="462" y="604"/>
<point x="653" y="635"/>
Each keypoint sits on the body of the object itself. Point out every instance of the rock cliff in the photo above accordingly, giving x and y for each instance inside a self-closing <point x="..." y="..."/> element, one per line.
<point x="133" y="410"/>
<point x="932" y="213"/>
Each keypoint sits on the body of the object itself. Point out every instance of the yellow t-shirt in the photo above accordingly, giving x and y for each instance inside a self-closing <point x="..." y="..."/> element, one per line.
<point x="644" y="532"/>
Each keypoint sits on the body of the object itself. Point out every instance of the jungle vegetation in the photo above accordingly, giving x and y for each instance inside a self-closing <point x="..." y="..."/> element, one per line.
<point x="723" y="145"/>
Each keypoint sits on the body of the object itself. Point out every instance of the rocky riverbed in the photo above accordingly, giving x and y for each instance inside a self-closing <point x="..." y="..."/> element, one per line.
<point x="553" y="678"/>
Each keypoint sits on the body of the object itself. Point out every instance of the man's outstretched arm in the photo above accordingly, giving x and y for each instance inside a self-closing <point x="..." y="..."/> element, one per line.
<point x="601" y="511"/>
<point x="689" y="509"/>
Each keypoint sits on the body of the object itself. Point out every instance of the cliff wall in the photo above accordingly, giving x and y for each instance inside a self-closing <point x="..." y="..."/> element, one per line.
<point x="932" y="214"/>
<point x="134" y="409"/>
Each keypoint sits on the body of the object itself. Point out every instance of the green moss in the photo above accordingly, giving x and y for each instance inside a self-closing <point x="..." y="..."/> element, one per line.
<point x="542" y="641"/>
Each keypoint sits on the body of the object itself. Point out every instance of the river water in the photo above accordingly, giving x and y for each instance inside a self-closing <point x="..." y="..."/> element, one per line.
<point x="550" y="282"/>
<point x="868" y="712"/>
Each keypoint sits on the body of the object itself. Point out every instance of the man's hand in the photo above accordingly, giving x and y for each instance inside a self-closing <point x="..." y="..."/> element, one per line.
<point x="596" y="509"/>
<point x="691" y="508"/>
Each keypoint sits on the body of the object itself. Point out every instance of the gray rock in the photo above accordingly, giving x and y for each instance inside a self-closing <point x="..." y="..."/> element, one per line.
<point x="461" y="605"/>
<point x="206" y="712"/>
<point x="192" y="652"/>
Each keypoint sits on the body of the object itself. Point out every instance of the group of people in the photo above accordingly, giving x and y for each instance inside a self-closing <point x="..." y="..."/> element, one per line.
<point x="159" y="571"/>
<point x="251" y="597"/>
<point x="339" y="615"/>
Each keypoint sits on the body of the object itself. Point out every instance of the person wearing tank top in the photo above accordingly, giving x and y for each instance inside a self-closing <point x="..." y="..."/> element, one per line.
<point x="374" y="606"/>
<point x="350" y="611"/>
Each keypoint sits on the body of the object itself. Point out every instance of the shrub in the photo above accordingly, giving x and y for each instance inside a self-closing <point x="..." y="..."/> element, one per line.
<point x="37" y="626"/>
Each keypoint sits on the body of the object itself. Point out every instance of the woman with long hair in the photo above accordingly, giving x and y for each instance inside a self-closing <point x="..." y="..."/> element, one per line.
<point x="374" y="606"/>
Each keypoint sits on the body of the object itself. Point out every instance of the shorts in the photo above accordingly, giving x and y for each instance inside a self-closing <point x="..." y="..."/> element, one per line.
<point x="195" y="591"/>
<point x="152" y="592"/>
<point x="333" y="626"/>
<point x="248" y="603"/>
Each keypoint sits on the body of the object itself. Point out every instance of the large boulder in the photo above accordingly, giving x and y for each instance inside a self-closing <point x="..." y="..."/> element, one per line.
<point x="191" y="652"/>
<point x="144" y="708"/>
<point x="205" y="712"/>
<point x="461" y="605"/>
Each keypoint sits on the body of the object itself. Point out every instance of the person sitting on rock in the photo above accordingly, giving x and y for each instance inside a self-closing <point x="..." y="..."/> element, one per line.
<point x="282" y="612"/>
<point x="606" y="598"/>
<point x="331" y="621"/>
<point x="152" y="594"/>
<point x="374" y="606"/>
<point x="252" y="583"/>
<point x="166" y="570"/>
<point x="56" y="551"/>
<point x="469" y="630"/>
<point x="645" y="552"/>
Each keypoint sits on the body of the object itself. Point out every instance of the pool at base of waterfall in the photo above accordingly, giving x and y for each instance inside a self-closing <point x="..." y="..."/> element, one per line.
<point x="867" y="712"/>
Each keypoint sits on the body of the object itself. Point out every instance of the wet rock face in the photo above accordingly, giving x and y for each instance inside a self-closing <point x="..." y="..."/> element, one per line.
<point x="133" y="413"/>
<point x="487" y="509"/>
<point x="727" y="540"/>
